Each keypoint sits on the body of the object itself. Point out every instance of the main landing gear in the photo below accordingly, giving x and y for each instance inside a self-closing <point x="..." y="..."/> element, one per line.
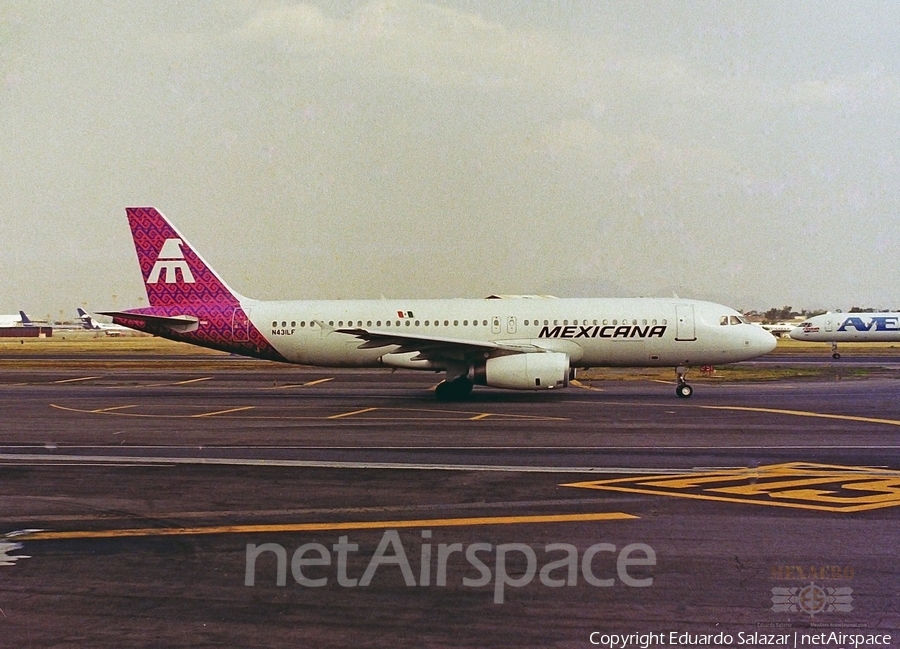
<point x="458" y="388"/>
<point x="834" y="351"/>
<point x="683" y="390"/>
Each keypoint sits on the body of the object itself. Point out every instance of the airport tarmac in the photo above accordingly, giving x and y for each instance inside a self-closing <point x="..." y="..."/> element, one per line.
<point x="507" y="520"/>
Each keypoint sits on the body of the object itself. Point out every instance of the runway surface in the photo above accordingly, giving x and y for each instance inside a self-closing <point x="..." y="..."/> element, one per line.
<point x="149" y="494"/>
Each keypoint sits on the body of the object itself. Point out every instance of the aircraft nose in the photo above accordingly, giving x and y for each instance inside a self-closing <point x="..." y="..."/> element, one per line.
<point x="763" y="341"/>
<point x="796" y="333"/>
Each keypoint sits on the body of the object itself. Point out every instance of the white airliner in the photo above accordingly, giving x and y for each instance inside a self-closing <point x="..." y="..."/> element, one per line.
<point x="9" y="320"/>
<point x="778" y="328"/>
<point x="88" y="322"/>
<point x="849" y="328"/>
<point x="527" y="343"/>
<point x="17" y="320"/>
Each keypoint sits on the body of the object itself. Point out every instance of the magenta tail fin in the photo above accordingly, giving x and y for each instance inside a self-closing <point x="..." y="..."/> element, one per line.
<point x="173" y="271"/>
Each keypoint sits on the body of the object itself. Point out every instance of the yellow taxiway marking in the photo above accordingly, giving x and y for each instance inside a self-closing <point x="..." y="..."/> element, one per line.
<point x="325" y="527"/>
<point x="300" y="385"/>
<point x="317" y="381"/>
<point x="448" y="415"/>
<point x="113" y="408"/>
<point x="222" y="412"/>
<point x="798" y="485"/>
<point x="805" y="413"/>
<point x="82" y="378"/>
<point x="579" y="384"/>
<point x="350" y="414"/>
<point x="205" y="378"/>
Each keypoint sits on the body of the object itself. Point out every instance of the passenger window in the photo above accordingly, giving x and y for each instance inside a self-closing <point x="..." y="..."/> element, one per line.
<point x="368" y="323"/>
<point x="407" y="323"/>
<point x="274" y="324"/>
<point x="446" y="323"/>
<point x="615" y="322"/>
<point x="465" y="323"/>
<point x="417" y="323"/>
<point x="456" y="323"/>
<point x="331" y="323"/>
<point x="605" y="321"/>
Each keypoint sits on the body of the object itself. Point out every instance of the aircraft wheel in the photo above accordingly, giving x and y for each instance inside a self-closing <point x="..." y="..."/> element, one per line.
<point x="835" y="356"/>
<point x="443" y="391"/>
<point x="684" y="391"/>
<point x="453" y="390"/>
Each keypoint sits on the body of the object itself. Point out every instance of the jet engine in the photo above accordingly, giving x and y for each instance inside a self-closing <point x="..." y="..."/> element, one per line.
<point x="535" y="371"/>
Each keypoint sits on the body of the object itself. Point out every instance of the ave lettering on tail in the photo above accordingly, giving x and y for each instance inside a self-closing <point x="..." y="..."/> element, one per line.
<point x="513" y="342"/>
<point x="849" y="327"/>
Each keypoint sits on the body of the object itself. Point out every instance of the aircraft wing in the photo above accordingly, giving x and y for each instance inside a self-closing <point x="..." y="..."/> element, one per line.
<point x="435" y="346"/>
<point x="179" y="323"/>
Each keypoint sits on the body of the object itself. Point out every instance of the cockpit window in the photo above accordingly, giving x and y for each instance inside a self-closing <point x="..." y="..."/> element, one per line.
<point x="723" y="320"/>
<point x="735" y="320"/>
<point x="743" y="320"/>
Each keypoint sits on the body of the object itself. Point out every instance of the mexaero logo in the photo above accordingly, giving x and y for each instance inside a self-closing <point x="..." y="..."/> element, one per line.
<point x="171" y="259"/>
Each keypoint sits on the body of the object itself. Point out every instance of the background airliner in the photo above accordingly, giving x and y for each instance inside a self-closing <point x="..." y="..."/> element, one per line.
<point x="849" y="327"/>
<point x="10" y="320"/>
<point x="88" y="322"/>
<point x="515" y="343"/>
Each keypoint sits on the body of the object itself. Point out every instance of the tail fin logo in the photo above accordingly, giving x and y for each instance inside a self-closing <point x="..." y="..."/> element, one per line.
<point x="170" y="260"/>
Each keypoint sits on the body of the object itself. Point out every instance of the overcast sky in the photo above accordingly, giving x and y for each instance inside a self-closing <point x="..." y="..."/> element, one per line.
<point x="745" y="152"/>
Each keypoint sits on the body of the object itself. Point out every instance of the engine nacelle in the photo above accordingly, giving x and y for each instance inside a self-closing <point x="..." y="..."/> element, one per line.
<point x="537" y="371"/>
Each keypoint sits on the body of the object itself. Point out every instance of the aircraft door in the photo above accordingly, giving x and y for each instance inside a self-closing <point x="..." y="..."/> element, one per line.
<point x="495" y="324"/>
<point x="684" y="322"/>
<point x="511" y="325"/>
<point x="240" y="326"/>
<point x="829" y="324"/>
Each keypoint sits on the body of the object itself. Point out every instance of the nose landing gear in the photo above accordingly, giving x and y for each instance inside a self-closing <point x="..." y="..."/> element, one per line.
<point x="683" y="390"/>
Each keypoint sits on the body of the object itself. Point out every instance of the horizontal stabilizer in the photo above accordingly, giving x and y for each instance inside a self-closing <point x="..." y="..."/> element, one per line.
<point x="180" y="323"/>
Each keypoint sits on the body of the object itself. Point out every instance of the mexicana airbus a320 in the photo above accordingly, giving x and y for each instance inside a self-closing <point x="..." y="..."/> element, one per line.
<point x="513" y="342"/>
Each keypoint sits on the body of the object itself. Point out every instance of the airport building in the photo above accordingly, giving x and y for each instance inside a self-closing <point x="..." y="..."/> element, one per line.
<point x="26" y="332"/>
